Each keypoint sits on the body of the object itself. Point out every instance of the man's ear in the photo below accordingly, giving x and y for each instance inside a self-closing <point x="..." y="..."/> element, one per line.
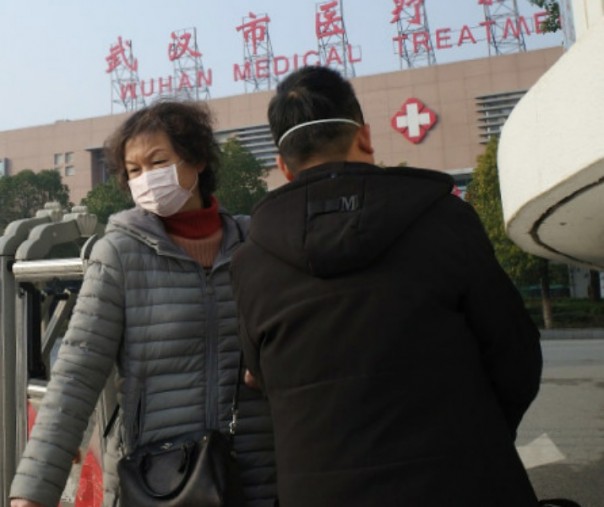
<point x="364" y="139"/>
<point x="284" y="169"/>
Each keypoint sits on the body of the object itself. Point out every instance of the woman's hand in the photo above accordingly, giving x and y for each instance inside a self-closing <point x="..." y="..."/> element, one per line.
<point x="22" y="502"/>
<point x="249" y="381"/>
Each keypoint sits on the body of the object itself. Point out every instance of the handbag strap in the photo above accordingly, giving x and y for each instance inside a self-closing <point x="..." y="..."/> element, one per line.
<point x="235" y="404"/>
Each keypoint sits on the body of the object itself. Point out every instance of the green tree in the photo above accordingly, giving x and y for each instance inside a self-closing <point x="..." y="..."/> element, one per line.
<point x="107" y="198"/>
<point x="484" y="194"/>
<point x="240" y="179"/>
<point x="26" y="192"/>
<point x="552" y="22"/>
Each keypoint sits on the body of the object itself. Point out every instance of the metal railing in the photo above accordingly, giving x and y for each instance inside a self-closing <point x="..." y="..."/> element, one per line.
<point x="35" y="304"/>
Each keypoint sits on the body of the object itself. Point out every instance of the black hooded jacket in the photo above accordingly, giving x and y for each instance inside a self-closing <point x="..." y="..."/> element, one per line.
<point x="397" y="356"/>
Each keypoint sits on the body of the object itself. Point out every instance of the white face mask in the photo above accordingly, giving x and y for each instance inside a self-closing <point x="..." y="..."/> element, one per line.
<point x="159" y="192"/>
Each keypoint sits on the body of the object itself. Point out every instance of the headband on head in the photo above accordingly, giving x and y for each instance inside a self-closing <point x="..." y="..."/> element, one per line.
<point x="316" y="122"/>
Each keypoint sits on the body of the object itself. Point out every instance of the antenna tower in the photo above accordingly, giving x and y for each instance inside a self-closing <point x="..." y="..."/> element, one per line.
<point x="125" y="83"/>
<point x="413" y="42"/>
<point x="505" y="27"/>
<point x="332" y="39"/>
<point x="257" y="52"/>
<point x="186" y="61"/>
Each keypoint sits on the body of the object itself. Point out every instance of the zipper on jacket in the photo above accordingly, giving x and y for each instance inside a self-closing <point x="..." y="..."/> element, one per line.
<point x="212" y="408"/>
<point x="135" y="424"/>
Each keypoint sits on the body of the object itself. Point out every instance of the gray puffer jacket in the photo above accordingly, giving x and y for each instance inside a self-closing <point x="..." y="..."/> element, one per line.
<point x="171" y="328"/>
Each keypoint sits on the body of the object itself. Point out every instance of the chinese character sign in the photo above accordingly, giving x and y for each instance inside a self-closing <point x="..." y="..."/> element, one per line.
<point x="328" y="20"/>
<point x="255" y="30"/>
<point x="180" y="46"/>
<point x="414" y="43"/>
<point x="399" y="5"/>
<point x="119" y="56"/>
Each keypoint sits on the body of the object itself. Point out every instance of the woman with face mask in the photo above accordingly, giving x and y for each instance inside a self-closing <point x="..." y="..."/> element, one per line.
<point x="156" y="301"/>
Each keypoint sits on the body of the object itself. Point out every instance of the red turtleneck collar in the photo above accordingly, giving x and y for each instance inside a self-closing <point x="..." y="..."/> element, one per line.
<point x="194" y="224"/>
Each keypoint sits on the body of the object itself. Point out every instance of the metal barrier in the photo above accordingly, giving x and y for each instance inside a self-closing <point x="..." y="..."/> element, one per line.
<point x="37" y="294"/>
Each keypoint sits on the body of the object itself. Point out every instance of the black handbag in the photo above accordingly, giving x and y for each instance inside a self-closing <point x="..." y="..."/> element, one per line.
<point x="185" y="471"/>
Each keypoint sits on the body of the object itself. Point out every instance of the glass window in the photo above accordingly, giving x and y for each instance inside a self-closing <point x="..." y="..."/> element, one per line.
<point x="58" y="159"/>
<point x="69" y="157"/>
<point x="69" y="170"/>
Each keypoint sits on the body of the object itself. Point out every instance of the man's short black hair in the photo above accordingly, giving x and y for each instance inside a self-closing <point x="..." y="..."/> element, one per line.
<point x="313" y="93"/>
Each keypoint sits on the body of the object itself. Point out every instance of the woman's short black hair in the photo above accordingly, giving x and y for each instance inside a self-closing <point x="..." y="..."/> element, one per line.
<point x="188" y="125"/>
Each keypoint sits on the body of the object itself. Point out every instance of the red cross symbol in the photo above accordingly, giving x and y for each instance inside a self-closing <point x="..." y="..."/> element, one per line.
<point x="413" y="120"/>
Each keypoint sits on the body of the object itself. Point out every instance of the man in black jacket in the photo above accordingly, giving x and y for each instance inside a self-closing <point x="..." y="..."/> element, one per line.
<point x="396" y="354"/>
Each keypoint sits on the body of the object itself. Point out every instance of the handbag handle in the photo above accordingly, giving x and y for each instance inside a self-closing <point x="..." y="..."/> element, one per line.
<point x="186" y="466"/>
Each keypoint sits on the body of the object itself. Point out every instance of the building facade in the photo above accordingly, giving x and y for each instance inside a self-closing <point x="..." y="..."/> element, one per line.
<point x="437" y="117"/>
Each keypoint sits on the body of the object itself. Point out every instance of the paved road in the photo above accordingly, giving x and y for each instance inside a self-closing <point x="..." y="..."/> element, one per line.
<point x="561" y="439"/>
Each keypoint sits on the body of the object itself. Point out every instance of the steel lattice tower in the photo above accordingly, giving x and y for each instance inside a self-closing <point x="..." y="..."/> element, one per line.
<point x="125" y="83"/>
<point x="186" y="59"/>
<point x="413" y="42"/>
<point x="257" y="52"/>
<point x="506" y="32"/>
<point x="332" y="39"/>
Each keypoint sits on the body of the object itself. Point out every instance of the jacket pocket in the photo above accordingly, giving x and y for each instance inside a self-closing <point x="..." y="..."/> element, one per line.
<point x="134" y="415"/>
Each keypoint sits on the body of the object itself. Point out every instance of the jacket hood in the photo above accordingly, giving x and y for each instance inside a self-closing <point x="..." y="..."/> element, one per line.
<point x="141" y="225"/>
<point x="147" y="228"/>
<point x="340" y="216"/>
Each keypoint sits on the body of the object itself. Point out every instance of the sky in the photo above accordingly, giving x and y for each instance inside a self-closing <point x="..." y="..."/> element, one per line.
<point x="53" y="52"/>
